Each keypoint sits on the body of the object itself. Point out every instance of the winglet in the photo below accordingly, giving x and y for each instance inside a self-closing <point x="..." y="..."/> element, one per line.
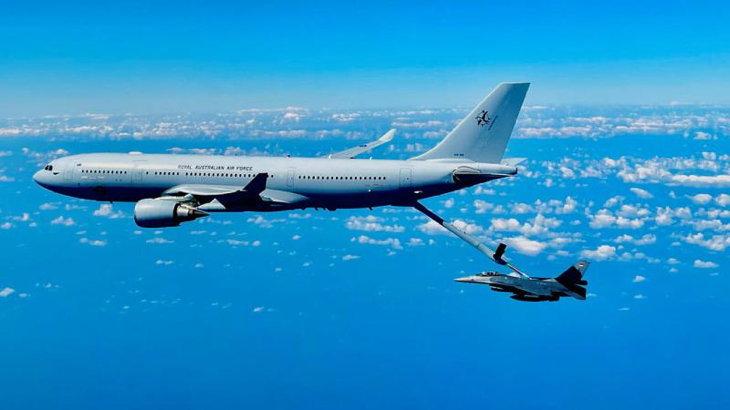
<point x="388" y="136"/>
<point x="355" y="151"/>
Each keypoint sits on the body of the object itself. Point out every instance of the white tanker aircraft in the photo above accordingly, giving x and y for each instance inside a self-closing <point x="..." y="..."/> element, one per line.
<point x="172" y="189"/>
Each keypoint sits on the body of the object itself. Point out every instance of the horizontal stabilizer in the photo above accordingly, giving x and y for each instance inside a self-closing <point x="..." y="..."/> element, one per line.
<point x="512" y="162"/>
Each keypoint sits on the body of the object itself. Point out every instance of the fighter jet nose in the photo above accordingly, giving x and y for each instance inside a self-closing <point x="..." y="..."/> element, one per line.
<point x="465" y="279"/>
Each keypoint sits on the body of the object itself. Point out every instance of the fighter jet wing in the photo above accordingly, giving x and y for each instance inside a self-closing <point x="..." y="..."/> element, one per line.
<point x="355" y="151"/>
<point x="223" y="193"/>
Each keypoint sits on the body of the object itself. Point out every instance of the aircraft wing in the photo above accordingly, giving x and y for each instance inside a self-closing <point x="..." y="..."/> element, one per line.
<point x="514" y="290"/>
<point x="223" y="193"/>
<point x="355" y="151"/>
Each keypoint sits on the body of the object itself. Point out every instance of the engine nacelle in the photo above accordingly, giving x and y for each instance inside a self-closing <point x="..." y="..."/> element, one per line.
<point x="160" y="213"/>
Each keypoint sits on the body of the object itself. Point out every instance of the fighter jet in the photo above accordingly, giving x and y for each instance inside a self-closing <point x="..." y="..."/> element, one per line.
<point x="522" y="286"/>
<point x="534" y="289"/>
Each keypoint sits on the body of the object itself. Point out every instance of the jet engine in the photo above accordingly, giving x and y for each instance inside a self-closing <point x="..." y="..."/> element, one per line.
<point x="160" y="213"/>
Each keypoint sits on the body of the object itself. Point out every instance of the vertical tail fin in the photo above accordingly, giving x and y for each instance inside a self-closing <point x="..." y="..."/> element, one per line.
<point x="572" y="278"/>
<point x="574" y="274"/>
<point x="482" y="136"/>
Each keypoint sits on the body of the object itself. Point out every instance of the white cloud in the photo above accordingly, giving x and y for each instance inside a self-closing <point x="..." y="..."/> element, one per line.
<point x="106" y="210"/>
<point x="449" y="203"/>
<point x="526" y="246"/>
<point x="700" y="264"/>
<point x="638" y="279"/>
<point x="93" y="242"/>
<point x="159" y="240"/>
<point x="24" y="217"/>
<point x="47" y="207"/>
<point x="394" y="242"/>
<point x="567" y="173"/>
<point x="714" y="242"/>
<point x="715" y="181"/>
<point x="601" y="253"/>
<point x="296" y="237"/>
<point x="415" y="242"/>
<point x="723" y="200"/>
<point x="701" y="135"/>
<point x="639" y="297"/>
<point x="701" y="199"/>
<point x="433" y="228"/>
<point x="603" y="219"/>
<point x="258" y="309"/>
<point x="632" y="211"/>
<point x="6" y="292"/>
<point x="263" y="222"/>
<point x="646" y="239"/>
<point x="482" y="191"/>
<point x="538" y="225"/>
<point x="371" y="223"/>
<point x="62" y="221"/>
<point x="628" y="217"/>
<point x="164" y="262"/>
<point x="6" y="225"/>
<point x="628" y="223"/>
<point x="568" y="206"/>
<point x="482" y="207"/>
<point x="613" y="201"/>
<point x="641" y="193"/>
<point x="664" y="216"/>
<point x="349" y="257"/>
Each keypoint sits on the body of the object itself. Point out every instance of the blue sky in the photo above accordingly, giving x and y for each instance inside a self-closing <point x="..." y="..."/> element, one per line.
<point x="626" y="133"/>
<point x="157" y="57"/>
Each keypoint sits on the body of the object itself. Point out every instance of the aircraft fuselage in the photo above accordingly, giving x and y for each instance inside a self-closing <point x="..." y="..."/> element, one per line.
<point x="292" y="182"/>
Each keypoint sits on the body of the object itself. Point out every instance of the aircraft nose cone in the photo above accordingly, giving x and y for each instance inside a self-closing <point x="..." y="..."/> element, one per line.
<point x="464" y="279"/>
<point x="40" y="178"/>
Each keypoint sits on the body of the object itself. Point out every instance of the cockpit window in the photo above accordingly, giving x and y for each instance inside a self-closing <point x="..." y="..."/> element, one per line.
<point x="49" y="168"/>
<point x="491" y="273"/>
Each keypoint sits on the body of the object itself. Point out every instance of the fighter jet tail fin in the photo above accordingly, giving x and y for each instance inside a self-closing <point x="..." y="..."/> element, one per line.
<point x="574" y="274"/>
<point x="483" y="135"/>
<point x="573" y="280"/>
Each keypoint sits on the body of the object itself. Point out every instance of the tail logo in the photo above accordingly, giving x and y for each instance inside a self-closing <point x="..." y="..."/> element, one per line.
<point x="483" y="118"/>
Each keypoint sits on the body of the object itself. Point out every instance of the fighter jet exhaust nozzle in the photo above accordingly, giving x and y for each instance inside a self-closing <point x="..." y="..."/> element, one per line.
<point x="159" y="213"/>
